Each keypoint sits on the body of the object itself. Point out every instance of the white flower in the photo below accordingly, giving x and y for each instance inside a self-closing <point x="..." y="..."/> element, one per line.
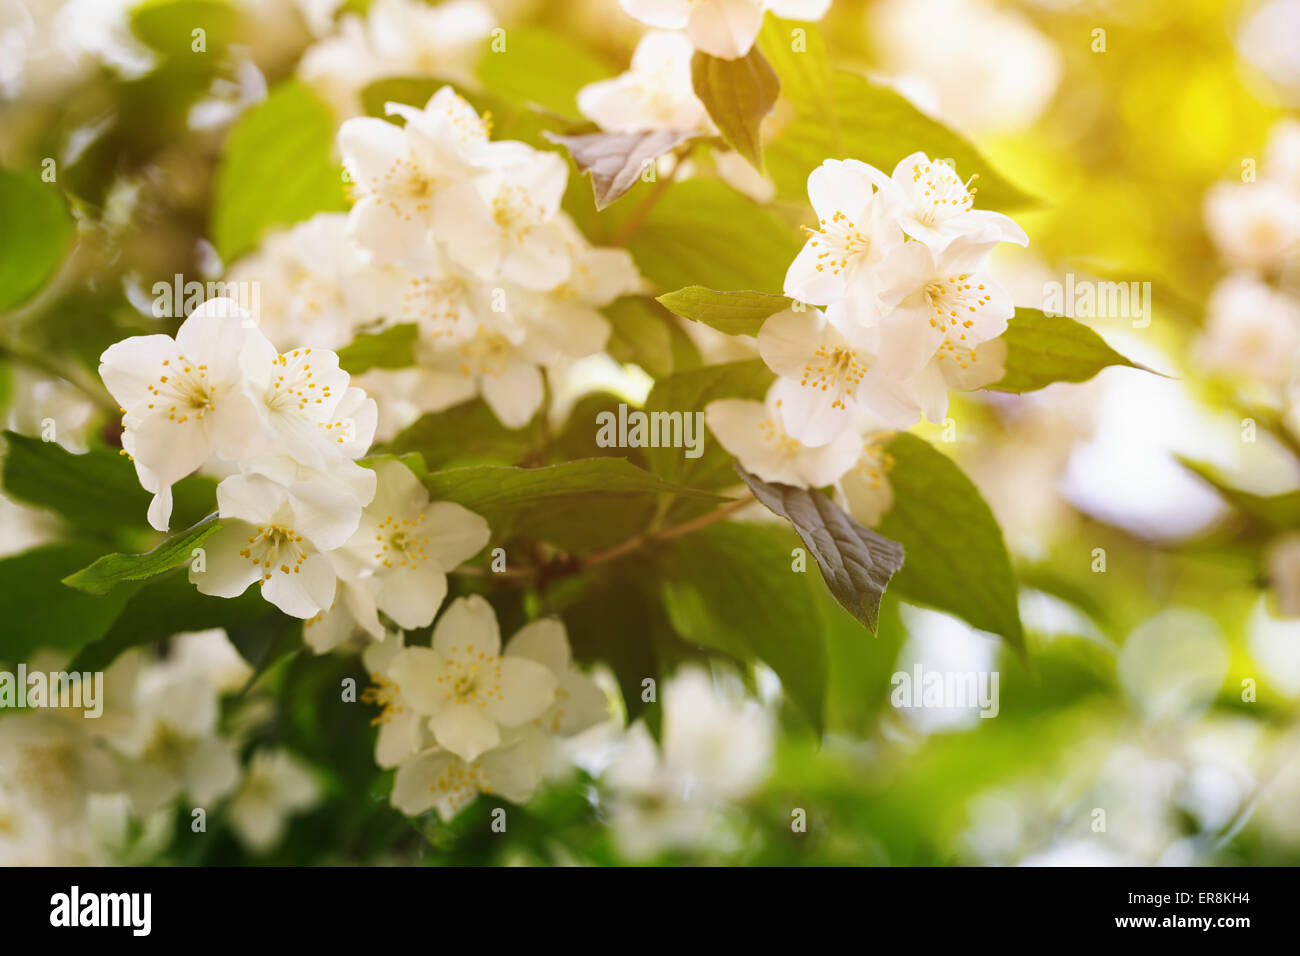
<point x="655" y="93"/>
<point x="172" y="746"/>
<point x="506" y="374"/>
<point x="865" y="488"/>
<point x="356" y="416"/>
<point x="339" y="66"/>
<point x="500" y="223"/>
<point x="1251" y="330"/>
<point x="343" y="478"/>
<point x="721" y="28"/>
<point x="579" y="701"/>
<point x="439" y="779"/>
<point x="276" y="786"/>
<point x="55" y="762"/>
<point x="979" y="66"/>
<point x="735" y="170"/>
<point x="399" y="172"/>
<point x="397" y="38"/>
<point x="937" y="301"/>
<point x="187" y="399"/>
<point x="828" y="380"/>
<point x="1254" y="225"/>
<point x="961" y="367"/>
<point x="275" y="535"/>
<point x="755" y="433"/>
<point x="565" y="322"/>
<point x="23" y="528"/>
<point x="35" y="397"/>
<point x="403" y="731"/>
<point x="398" y="395"/>
<point x="353" y="609"/>
<point x="299" y="393"/>
<point x="409" y="544"/>
<point x="1282" y="155"/>
<point x="717" y="750"/>
<point x="467" y="689"/>
<point x="211" y="655"/>
<point x="314" y="288"/>
<point x="599" y="274"/>
<point x="857" y="228"/>
<point x="448" y="303"/>
<point x="444" y="40"/>
<point x="935" y="206"/>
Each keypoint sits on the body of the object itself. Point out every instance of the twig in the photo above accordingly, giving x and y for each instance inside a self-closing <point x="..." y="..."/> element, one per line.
<point x="638" y="215"/>
<point x="565" y="566"/>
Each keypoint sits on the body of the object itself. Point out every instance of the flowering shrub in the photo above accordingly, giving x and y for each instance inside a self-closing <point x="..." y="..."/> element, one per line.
<point x="429" y="409"/>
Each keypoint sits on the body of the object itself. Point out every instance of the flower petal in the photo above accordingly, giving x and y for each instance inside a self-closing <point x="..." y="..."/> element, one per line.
<point x="527" y="690"/>
<point x="469" y="625"/>
<point x="465" y="729"/>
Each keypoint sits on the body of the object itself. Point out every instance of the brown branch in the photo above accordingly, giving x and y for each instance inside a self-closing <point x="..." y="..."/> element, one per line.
<point x="565" y="565"/>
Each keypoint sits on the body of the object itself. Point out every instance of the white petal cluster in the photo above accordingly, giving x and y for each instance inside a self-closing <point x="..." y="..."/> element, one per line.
<point x="461" y="236"/>
<point x="1251" y="334"/>
<point x="981" y="67"/>
<point x="722" y="28"/>
<point x="286" y="428"/>
<point x="1256" y="224"/>
<point x="276" y="785"/>
<point x="655" y="93"/>
<point x="898" y="265"/>
<point x="396" y="38"/>
<point x="716" y="752"/>
<point x="1252" y="323"/>
<point x="463" y="717"/>
<point x="71" y="787"/>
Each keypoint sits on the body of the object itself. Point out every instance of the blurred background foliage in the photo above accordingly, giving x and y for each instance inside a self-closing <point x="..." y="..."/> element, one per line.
<point x="1121" y="143"/>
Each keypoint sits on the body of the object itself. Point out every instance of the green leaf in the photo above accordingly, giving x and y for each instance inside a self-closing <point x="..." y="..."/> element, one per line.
<point x="534" y="65"/>
<point x="1042" y="349"/>
<point x="639" y="647"/>
<point x="703" y="231"/>
<point x="37" y="231"/>
<point x="411" y="90"/>
<point x="803" y="67"/>
<point x="394" y="347"/>
<point x="1277" y="511"/>
<point x="411" y="459"/>
<point x="111" y="570"/>
<point x="957" y="560"/>
<point x="497" y="488"/>
<point x="735" y="313"/>
<point x="266" y="640"/>
<point x="574" y="504"/>
<point x="39" y="612"/>
<point x="579" y="437"/>
<point x="615" y="161"/>
<point x="643" y="333"/>
<point x="738" y="94"/>
<point x="465" y="434"/>
<point x="855" y="561"/>
<point x="860" y="670"/>
<point x="168" y="26"/>
<point x="689" y="392"/>
<point x="277" y="169"/>
<point x="167" y="605"/>
<point x="731" y="587"/>
<point x="98" y="492"/>
<point x="878" y="126"/>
